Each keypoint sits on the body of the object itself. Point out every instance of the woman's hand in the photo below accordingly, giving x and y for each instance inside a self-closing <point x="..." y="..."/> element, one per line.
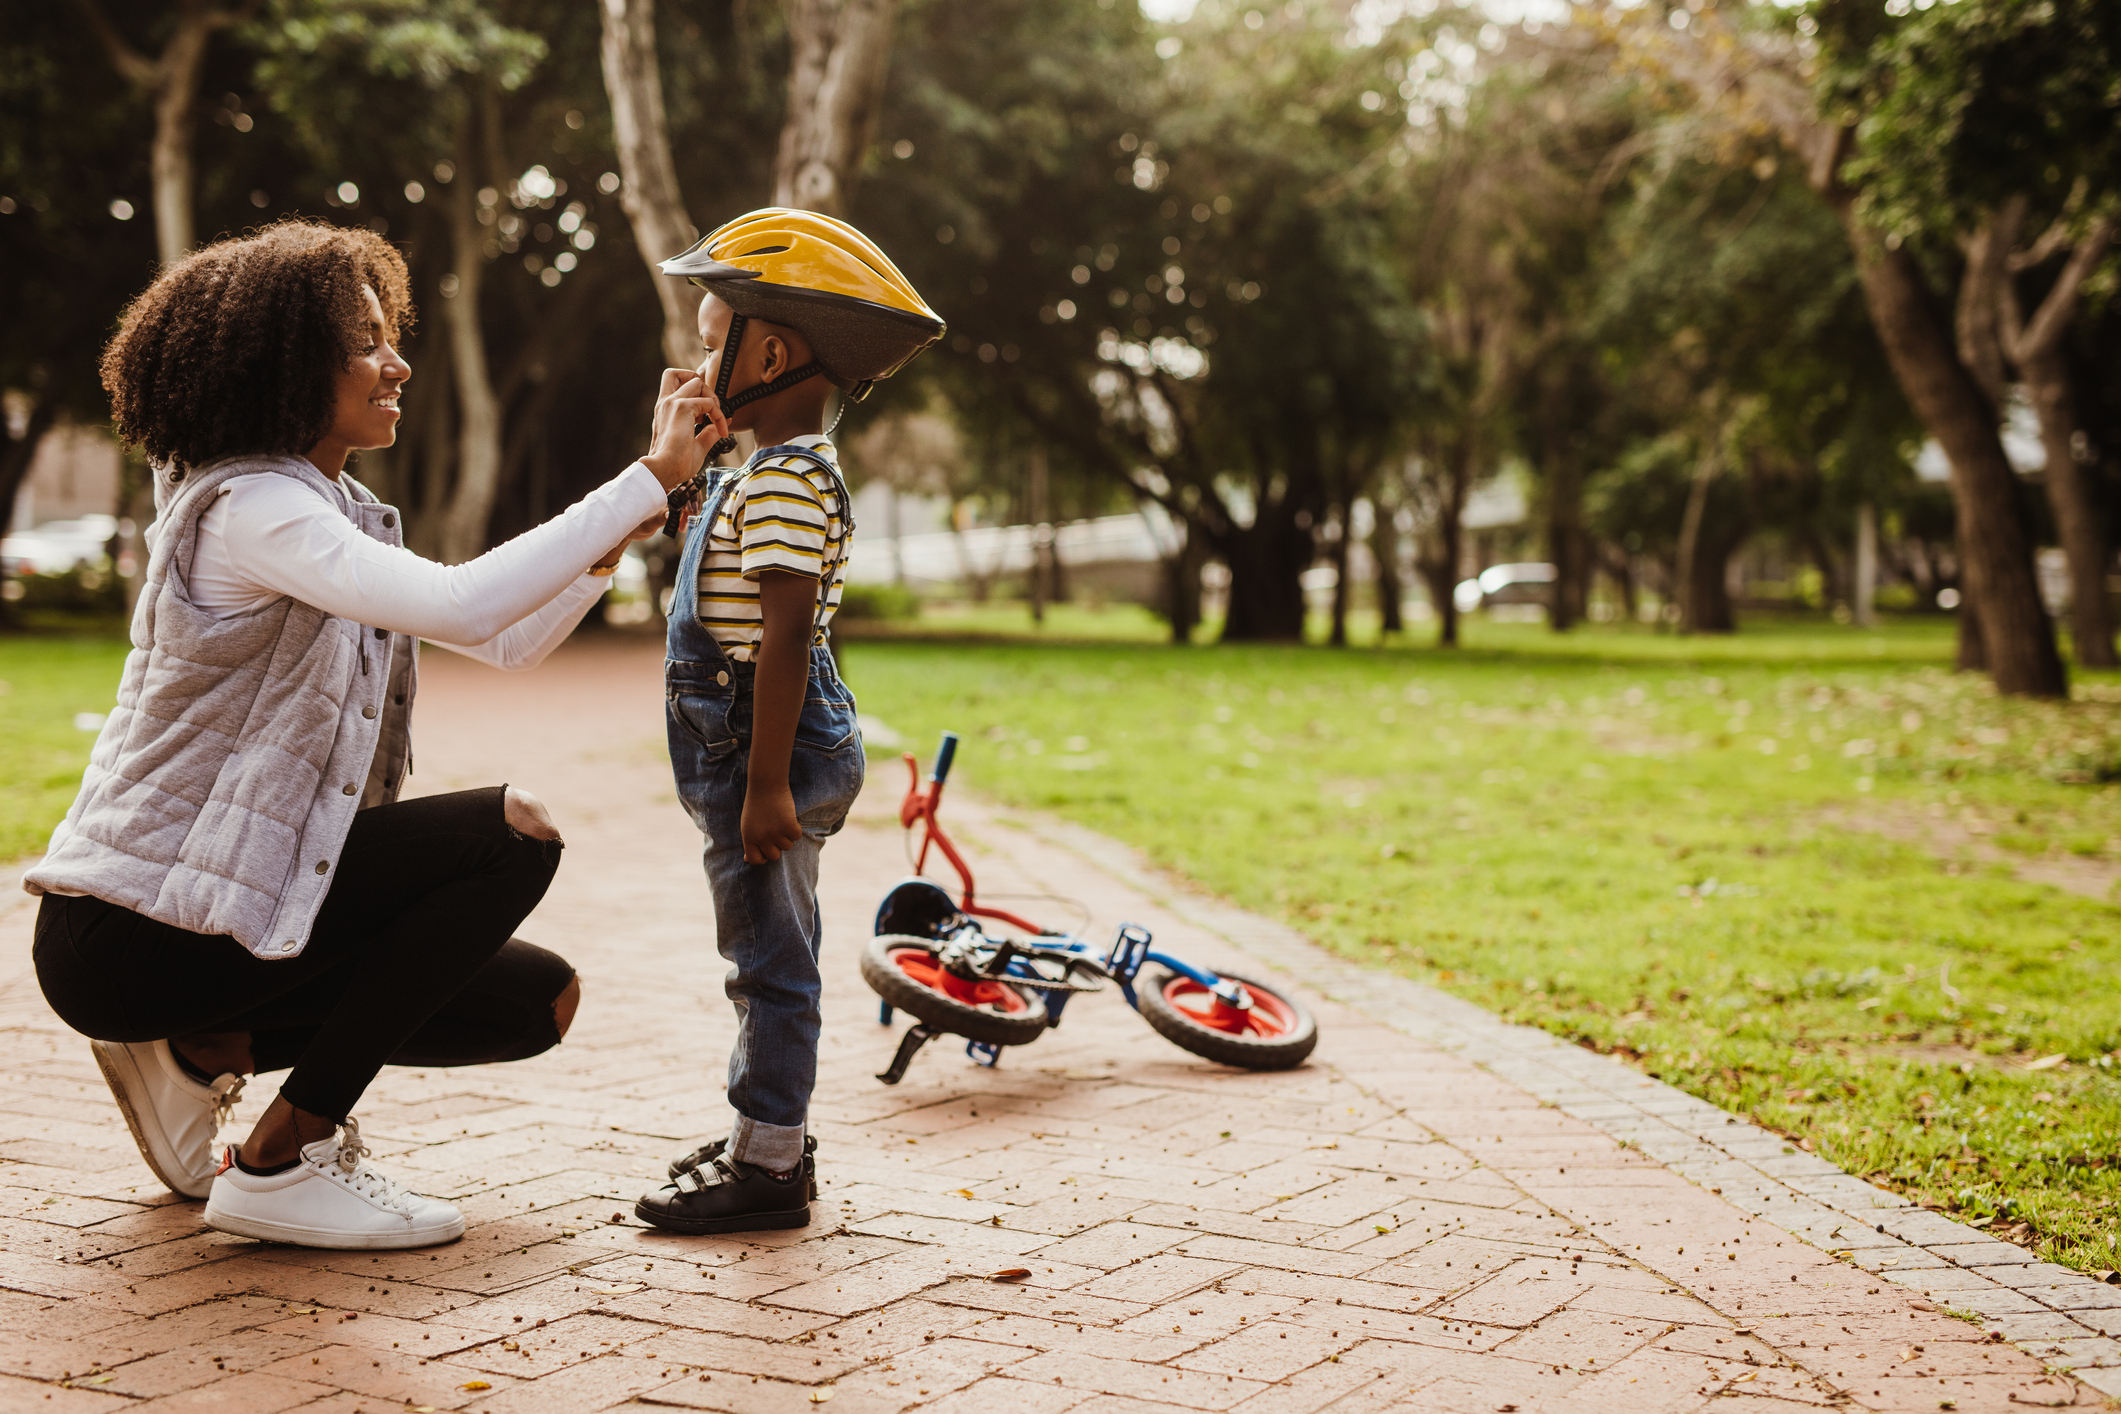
<point x="677" y="449"/>
<point x="649" y="527"/>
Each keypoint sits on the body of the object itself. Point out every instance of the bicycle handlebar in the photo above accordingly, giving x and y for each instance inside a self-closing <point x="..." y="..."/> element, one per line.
<point x="945" y="753"/>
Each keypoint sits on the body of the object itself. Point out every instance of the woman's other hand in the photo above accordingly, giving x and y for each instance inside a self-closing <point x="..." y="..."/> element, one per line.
<point x="651" y="526"/>
<point x="677" y="449"/>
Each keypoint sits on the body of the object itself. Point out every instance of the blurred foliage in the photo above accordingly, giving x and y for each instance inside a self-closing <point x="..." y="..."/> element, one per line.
<point x="879" y="602"/>
<point x="1258" y="266"/>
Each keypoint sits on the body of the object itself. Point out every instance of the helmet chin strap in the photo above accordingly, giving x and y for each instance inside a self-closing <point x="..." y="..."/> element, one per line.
<point x="685" y="499"/>
<point x="754" y="393"/>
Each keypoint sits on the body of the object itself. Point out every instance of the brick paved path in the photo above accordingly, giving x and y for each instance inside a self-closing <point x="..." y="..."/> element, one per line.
<point x="1392" y="1227"/>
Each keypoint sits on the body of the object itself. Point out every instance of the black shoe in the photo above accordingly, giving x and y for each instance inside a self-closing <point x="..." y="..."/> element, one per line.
<point x="707" y="1153"/>
<point x="727" y="1195"/>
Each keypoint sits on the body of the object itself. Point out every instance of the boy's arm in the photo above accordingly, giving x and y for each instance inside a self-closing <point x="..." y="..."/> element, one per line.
<point x="780" y="679"/>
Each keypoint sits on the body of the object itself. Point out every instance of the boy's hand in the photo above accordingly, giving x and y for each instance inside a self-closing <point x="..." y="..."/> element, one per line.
<point x="678" y="449"/>
<point x="769" y="824"/>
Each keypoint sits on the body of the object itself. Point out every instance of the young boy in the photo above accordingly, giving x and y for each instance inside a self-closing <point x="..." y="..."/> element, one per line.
<point x="762" y="732"/>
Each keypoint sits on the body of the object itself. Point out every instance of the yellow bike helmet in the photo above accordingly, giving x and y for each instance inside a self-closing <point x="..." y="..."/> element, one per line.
<point x="820" y="277"/>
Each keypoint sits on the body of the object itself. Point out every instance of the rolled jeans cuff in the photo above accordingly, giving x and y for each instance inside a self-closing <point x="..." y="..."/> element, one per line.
<point x="778" y="1147"/>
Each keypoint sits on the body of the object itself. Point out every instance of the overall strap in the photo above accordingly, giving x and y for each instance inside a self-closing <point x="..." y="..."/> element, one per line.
<point x="844" y="544"/>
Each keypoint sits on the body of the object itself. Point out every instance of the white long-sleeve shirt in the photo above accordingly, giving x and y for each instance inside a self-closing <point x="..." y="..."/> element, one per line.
<point x="269" y="536"/>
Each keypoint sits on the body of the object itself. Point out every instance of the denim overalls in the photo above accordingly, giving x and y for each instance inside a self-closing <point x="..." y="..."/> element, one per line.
<point x="766" y="915"/>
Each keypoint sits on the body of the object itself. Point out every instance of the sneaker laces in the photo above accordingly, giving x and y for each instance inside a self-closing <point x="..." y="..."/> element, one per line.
<point x="227" y="1090"/>
<point x="356" y="1173"/>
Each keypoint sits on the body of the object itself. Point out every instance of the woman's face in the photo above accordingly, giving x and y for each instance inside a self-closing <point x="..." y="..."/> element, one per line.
<point x="365" y="413"/>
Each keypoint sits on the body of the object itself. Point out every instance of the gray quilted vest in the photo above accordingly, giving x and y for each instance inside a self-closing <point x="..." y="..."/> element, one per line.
<point x="219" y="794"/>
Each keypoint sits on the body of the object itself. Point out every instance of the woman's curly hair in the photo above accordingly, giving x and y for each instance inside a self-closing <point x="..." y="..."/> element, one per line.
<point x="237" y="348"/>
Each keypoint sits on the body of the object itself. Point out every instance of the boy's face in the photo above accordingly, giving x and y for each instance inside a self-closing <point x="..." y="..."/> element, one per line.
<point x="767" y="351"/>
<point x="715" y="317"/>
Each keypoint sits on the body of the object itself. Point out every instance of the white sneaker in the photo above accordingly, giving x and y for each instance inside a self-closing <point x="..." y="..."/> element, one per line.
<point x="173" y="1117"/>
<point x="330" y="1198"/>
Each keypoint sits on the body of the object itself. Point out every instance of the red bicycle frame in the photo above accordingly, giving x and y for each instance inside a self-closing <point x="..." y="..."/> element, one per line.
<point x="919" y="807"/>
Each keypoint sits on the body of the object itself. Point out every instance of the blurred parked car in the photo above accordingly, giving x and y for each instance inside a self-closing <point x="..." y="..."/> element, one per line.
<point x="1502" y="585"/>
<point x="58" y="546"/>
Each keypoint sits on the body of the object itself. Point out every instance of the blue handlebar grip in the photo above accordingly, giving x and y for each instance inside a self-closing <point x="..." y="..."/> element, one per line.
<point x="944" y="755"/>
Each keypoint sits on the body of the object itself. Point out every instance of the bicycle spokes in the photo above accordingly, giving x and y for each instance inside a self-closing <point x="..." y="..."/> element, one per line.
<point x="1254" y="1014"/>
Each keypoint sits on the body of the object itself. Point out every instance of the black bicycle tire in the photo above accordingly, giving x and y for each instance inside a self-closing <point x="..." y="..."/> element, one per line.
<point x="944" y="1013"/>
<point x="1282" y="1053"/>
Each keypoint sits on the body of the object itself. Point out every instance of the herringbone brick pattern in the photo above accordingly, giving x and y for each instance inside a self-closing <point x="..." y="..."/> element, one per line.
<point x="1390" y="1227"/>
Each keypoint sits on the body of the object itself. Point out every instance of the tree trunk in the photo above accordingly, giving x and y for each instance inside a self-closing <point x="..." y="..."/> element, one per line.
<point x="1384" y="549"/>
<point x="175" y="100"/>
<point x="1621" y="570"/>
<point x="1687" y="574"/>
<point x="2037" y="350"/>
<point x="461" y="534"/>
<point x="15" y="461"/>
<point x="1442" y="556"/>
<point x="649" y="179"/>
<point x="1041" y="535"/>
<point x="1266" y="561"/>
<point x="1338" y="635"/>
<point x="1866" y="599"/>
<point x="1182" y="583"/>
<point x="1995" y="549"/>
<point x="1707" y="589"/>
<point x="431" y="408"/>
<point x="2077" y="513"/>
<point x="1566" y="542"/>
<point x="172" y="80"/>
<point x="841" y="50"/>
<point x="1440" y="575"/>
<point x="1970" y="654"/>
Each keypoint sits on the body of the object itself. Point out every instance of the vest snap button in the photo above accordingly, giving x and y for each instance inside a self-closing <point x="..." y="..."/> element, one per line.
<point x="382" y="633"/>
<point x="399" y="699"/>
<point x="368" y="712"/>
<point x="323" y="866"/>
<point x="346" y="790"/>
<point x="722" y="678"/>
<point x="389" y="521"/>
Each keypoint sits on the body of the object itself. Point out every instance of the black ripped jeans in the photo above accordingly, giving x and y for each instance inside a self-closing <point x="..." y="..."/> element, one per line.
<point x="411" y="961"/>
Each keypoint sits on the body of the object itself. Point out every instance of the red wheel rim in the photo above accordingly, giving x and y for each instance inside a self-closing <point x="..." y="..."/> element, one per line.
<point x="921" y="966"/>
<point x="1269" y="1018"/>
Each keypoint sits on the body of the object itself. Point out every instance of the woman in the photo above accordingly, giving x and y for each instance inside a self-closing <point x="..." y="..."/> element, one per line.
<point x="237" y="887"/>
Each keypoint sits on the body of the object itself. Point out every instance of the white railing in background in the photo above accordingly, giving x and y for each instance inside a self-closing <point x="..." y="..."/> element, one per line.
<point x="984" y="551"/>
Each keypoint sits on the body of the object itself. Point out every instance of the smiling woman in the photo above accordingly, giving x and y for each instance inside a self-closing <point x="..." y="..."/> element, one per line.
<point x="237" y="887"/>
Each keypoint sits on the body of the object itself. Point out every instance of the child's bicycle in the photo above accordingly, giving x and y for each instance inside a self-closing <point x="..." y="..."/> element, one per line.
<point x="933" y="957"/>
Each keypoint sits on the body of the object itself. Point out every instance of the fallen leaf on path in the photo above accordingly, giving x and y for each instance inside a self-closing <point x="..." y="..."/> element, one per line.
<point x="474" y="1384"/>
<point x="1010" y="1274"/>
<point x="820" y="1396"/>
<point x="625" y="1288"/>
<point x="2049" y="1062"/>
<point x="1749" y="1375"/>
<point x="961" y="1193"/>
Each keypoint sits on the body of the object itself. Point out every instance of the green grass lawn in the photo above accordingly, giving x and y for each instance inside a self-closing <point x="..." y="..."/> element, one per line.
<point x="45" y="682"/>
<point x="1682" y="851"/>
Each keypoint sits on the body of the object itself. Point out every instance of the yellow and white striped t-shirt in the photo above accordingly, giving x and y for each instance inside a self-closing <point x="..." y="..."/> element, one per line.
<point x="785" y="515"/>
